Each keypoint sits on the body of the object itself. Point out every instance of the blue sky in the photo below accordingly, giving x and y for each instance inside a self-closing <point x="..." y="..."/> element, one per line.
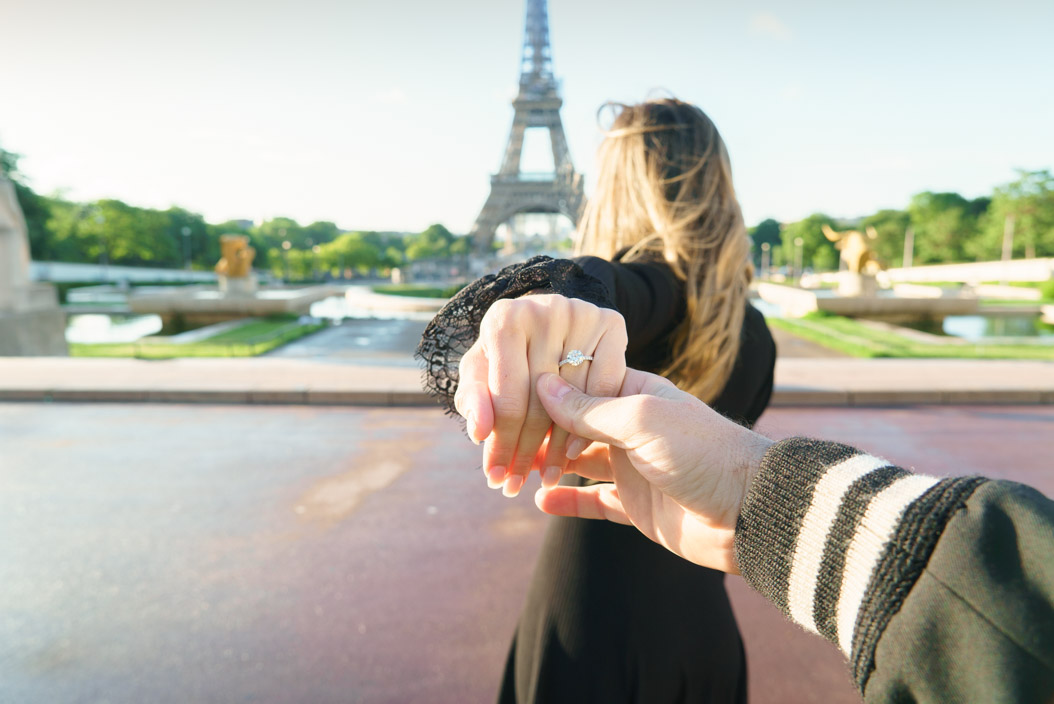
<point x="392" y="115"/>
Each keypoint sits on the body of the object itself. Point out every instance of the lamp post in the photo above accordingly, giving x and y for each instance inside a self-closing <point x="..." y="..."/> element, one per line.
<point x="186" y="247"/>
<point x="798" y="242"/>
<point x="104" y="250"/>
<point x="285" y="255"/>
<point x="1008" y="245"/>
<point x="909" y="246"/>
<point x="765" y="247"/>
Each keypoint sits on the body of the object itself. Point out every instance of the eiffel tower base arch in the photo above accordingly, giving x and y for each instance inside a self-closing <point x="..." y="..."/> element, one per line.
<point x="509" y="198"/>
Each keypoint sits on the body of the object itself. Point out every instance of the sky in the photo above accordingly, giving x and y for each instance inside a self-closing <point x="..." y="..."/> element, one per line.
<point x="392" y="115"/>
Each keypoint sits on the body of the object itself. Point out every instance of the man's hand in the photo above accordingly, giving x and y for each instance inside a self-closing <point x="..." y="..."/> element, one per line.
<point x="679" y="469"/>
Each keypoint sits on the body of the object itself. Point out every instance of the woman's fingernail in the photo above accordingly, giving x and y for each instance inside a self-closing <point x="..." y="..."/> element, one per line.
<point x="551" y="476"/>
<point x="575" y="447"/>
<point x="512" y="485"/>
<point x="495" y="477"/>
<point x="557" y="387"/>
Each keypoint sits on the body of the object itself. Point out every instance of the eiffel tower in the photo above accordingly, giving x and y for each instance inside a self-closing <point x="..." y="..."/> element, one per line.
<point x="536" y="105"/>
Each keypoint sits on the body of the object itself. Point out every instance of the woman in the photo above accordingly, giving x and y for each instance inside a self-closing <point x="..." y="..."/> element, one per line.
<point x="660" y="282"/>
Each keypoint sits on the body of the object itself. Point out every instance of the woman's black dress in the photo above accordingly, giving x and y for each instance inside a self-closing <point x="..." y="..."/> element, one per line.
<point x="611" y="616"/>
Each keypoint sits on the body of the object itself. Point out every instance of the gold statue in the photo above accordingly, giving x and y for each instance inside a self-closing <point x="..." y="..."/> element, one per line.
<point x="237" y="259"/>
<point x="856" y="249"/>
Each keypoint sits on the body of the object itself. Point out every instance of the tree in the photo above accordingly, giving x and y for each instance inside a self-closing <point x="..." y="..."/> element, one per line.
<point x="891" y="226"/>
<point x="195" y="242"/>
<point x="350" y="251"/>
<point x="765" y="232"/>
<point x="301" y="263"/>
<point x="321" y="232"/>
<point x="62" y="242"/>
<point x="275" y="262"/>
<point x="393" y="257"/>
<point x="433" y="243"/>
<point x="944" y="223"/>
<point x="461" y="246"/>
<point x="274" y="232"/>
<point x="134" y="236"/>
<point x="1029" y="201"/>
<point x="35" y="208"/>
<point x="817" y="251"/>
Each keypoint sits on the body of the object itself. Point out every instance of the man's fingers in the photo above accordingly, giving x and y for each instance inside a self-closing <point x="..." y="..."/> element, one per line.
<point x="556" y="457"/>
<point x="621" y="422"/>
<point x="638" y="382"/>
<point x="599" y="501"/>
<point x="594" y="463"/>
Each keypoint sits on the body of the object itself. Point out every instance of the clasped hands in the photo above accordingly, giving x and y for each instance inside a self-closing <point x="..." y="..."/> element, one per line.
<point x="676" y="469"/>
<point x="519" y="340"/>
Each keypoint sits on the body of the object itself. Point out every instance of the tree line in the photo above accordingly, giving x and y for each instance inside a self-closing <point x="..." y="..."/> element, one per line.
<point x="943" y="227"/>
<point x="113" y="232"/>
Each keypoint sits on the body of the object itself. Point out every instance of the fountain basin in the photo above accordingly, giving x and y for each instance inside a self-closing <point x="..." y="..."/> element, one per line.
<point x="197" y="306"/>
<point x="886" y="306"/>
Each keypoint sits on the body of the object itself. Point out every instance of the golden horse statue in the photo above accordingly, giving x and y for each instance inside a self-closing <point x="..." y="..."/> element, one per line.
<point x="855" y="248"/>
<point x="237" y="259"/>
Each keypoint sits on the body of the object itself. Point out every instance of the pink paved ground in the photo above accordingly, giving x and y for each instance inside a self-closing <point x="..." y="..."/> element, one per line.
<point x="174" y="553"/>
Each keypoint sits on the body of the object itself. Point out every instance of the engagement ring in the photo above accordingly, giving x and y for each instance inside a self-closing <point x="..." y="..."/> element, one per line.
<point x="574" y="358"/>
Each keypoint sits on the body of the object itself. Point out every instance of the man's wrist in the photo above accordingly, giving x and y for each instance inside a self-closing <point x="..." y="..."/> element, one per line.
<point x="753" y="449"/>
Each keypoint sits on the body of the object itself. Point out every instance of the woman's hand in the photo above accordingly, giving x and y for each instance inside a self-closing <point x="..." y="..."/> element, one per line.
<point x="520" y="339"/>
<point x="680" y="470"/>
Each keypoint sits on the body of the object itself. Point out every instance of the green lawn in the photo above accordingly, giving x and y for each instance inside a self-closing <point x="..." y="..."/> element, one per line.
<point x="849" y="336"/>
<point x="253" y="338"/>
<point x="417" y="290"/>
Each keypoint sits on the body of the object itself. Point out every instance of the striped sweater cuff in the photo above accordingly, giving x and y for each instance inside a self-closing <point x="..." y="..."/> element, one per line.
<point x="836" y="539"/>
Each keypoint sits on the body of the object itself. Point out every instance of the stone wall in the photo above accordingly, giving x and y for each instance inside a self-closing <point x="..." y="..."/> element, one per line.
<point x="33" y="332"/>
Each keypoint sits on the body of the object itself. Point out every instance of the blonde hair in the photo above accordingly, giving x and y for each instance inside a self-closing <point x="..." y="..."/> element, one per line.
<point x="665" y="191"/>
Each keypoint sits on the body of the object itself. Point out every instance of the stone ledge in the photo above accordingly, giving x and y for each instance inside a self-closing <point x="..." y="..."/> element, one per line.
<point x="895" y="398"/>
<point x="993" y="396"/>
<point x="781" y="398"/>
<point x="808" y="397"/>
<point x="799" y="382"/>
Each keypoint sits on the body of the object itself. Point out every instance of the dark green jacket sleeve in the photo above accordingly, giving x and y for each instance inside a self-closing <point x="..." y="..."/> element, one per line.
<point x="937" y="590"/>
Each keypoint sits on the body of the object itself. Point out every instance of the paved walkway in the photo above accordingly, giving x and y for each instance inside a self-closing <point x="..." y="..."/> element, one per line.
<point x="369" y="341"/>
<point x="790" y="345"/>
<point x="206" y="553"/>
<point x="395" y="381"/>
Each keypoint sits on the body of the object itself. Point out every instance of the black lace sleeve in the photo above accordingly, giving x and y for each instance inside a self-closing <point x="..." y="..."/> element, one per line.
<point x="456" y="327"/>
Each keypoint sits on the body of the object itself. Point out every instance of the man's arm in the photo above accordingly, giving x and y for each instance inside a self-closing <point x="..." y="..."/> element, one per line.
<point x="935" y="589"/>
<point x="851" y="547"/>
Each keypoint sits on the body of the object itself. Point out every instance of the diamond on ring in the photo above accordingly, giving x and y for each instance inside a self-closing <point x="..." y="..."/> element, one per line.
<point x="574" y="358"/>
